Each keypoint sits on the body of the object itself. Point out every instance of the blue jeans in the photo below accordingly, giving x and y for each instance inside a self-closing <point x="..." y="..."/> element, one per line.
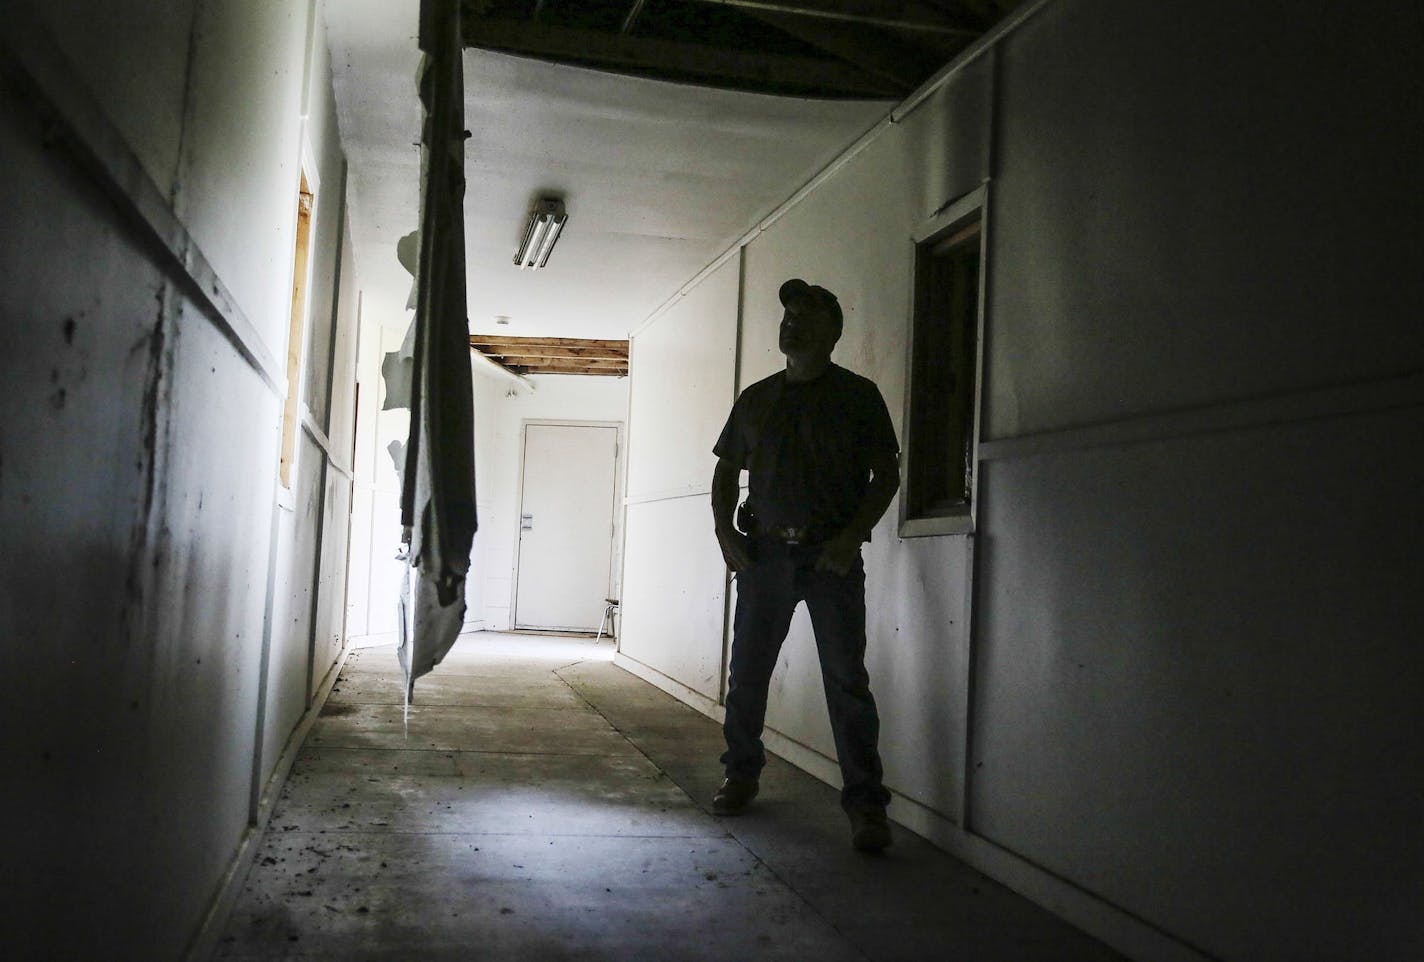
<point x="767" y="595"/>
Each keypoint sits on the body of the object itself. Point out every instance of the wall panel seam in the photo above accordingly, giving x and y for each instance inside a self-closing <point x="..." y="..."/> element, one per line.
<point x="41" y="70"/>
<point x="205" y="940"/>
<point x="989" y="41"/>
<point x="892" y="118"/>
<point x="319" y="438"/>
<point x="1068" y="881"/>
<point x="1371" y="397"/>
<point x="674" y="494"/>
<point x="336" y="302"/>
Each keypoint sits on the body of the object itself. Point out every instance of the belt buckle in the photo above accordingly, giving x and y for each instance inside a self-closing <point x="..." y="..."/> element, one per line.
<point x="793" y="536"/>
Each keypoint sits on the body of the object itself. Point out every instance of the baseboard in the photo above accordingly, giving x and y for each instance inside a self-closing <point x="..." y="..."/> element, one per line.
<point x="805" y="757"/>
<point x="1134" y="937"/>
<point x="379" y="638"/>
<point x="688" y="696"/>
<point x="375" y="640"/>
<point x="1128" y="934"/>
<point x="204" y="944"/>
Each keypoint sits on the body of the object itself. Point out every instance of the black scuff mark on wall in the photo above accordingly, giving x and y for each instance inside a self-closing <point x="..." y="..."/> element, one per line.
<point x="147" y="460"/>
<point x="72" y="372"/>
<point x="145" y="628"/>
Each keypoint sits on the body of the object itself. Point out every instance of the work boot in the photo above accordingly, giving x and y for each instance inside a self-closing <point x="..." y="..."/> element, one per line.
<point x="734" y="796"/>
<point x="870" y="830"/>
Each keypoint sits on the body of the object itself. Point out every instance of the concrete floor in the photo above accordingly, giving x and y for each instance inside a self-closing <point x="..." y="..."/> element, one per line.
<point x="546" y="805"/>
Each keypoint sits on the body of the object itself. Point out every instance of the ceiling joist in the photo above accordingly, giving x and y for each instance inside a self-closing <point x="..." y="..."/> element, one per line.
<point x="554" y="355"/>
<point x="632" y="19"/>
<point x="672" y="59"/>
<point x="618" y="348"/>
<point x="913" y="17"/>
<point x="880" y="54"/>
<point x="853" y="49"/>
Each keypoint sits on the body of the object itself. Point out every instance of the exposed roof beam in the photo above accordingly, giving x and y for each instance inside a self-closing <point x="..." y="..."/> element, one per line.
<point x="633" y="14"/>
<point x="554" y="354"/>
<point x="876" y="53"/>
<point x="536" y="359"/>
<point x="566" y="366"/>
<point x="583" y="342"/>
<point x="923" y="21"/>
<point x="571" y="365"/>
<point x="501" y="369"/>
<point x="514" y="354"/>
<point x="710" y="64"/>
<point x="983" y="13"/>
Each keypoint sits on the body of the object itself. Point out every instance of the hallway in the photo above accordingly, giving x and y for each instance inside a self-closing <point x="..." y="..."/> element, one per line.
<point x="1143" y="627"/>
<point x="547" y="805"/>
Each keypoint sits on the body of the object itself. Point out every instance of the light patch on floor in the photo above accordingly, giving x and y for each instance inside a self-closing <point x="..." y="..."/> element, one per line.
<point x="543" y="805"/>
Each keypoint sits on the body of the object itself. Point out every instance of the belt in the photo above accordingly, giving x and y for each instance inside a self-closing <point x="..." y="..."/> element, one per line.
<point x="788" y="535"/>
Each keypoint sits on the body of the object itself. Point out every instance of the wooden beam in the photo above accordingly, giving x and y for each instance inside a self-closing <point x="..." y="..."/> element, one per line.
<point x="633" y="15"/>
<point x="971" y="13"/>
<point x="713" y="65"/>
<point x="554" y="355"/>
<point x="519" y="355"/>
<point x="570" y="366"/>
<point x="537" y="361"/>
<point x="517" y="348"/>
<point x="874" y="52"/>
<point x="910" y="16"/>
<point x="607" y="345"/>
<point x="608" y="368"/>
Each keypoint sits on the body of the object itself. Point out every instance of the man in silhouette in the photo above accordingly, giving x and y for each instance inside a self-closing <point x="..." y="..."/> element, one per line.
<point x="822" y="462"/>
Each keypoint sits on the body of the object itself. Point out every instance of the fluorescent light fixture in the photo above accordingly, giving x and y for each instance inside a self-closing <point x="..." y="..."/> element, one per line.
<point x="546" y="222"/>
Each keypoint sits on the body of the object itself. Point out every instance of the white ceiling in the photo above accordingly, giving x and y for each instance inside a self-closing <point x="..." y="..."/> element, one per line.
<point x="657" y="178"/>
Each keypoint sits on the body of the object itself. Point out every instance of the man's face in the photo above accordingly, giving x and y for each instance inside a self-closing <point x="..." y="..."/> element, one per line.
<point x="807" y="333"/>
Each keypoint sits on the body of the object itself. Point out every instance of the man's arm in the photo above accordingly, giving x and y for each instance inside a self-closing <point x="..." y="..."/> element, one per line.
<point x="726" y="487"/>
<point x="839" y="552"/>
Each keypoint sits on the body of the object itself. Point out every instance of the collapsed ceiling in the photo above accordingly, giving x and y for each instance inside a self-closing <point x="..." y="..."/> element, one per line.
<point x="667" y="128"/>
<point x="554" y="355"/>
<point x="808" y="48"/>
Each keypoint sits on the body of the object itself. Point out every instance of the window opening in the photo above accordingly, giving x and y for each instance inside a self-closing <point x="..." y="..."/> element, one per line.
<point x="942" y="402"/>
<point x="306" y="202"/>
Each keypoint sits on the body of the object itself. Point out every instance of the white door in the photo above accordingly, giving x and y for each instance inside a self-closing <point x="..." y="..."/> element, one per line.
<point x="566" y="526"/>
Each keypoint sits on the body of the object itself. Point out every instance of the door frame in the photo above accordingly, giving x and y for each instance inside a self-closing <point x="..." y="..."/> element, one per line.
<point x="618" y="449"/>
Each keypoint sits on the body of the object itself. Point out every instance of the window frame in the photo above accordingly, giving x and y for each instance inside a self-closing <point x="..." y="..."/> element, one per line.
<point x="294" y="409"/>
<point x="938" y="227"/>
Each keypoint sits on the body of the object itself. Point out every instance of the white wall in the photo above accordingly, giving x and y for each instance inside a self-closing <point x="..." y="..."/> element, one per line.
<point x="312" y="515"/>
<point x="147" y="262"/>
<point x="1195" y="612"/>
<point x="374" y="576"/>
<point x="673" y="600"/>
<point x="1186" y="715"/>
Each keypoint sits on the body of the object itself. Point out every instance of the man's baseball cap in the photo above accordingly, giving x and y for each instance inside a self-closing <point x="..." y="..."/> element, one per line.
<point x="798" y="290"/>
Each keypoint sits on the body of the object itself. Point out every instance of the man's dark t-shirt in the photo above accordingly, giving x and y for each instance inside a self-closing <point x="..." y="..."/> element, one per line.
<point x="807" y="447"/>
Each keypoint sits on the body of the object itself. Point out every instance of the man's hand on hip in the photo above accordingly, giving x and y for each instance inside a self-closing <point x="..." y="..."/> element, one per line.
<point x="736" y="549"/>
<point x="839" y="554"/>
